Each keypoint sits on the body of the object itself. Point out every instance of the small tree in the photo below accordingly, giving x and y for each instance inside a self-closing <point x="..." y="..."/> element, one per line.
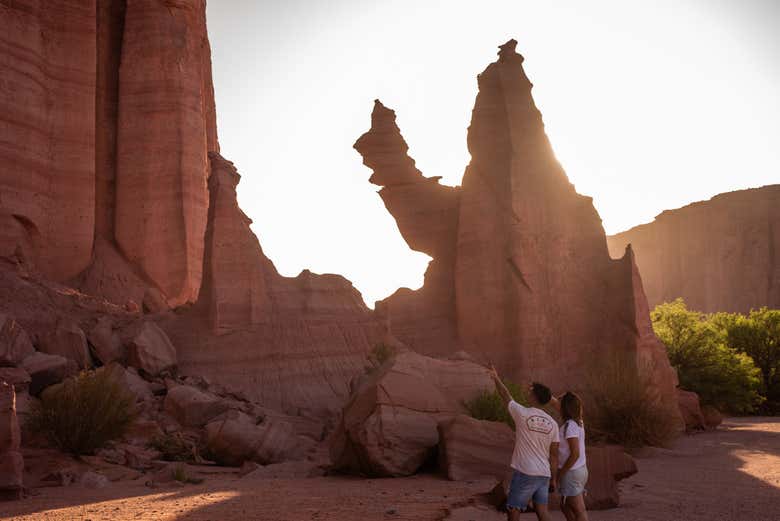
<point x="697" y="347"/>
<point x="83" y="413"/>
<point x="758" y="336"/>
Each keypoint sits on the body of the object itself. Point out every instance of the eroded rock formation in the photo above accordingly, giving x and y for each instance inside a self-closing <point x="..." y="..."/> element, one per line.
<point x="719" y="255"/>
<point x="521" y="274"/>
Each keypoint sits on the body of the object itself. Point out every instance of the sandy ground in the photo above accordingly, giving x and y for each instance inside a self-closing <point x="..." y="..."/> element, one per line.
<point x="732" y="474"/>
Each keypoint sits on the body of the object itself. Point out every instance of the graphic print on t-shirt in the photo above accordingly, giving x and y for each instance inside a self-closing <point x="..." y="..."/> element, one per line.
<point x="539" y="424"/>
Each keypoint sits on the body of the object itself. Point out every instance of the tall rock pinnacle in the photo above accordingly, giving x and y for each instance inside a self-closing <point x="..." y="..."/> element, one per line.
<point x="521" y="274"/>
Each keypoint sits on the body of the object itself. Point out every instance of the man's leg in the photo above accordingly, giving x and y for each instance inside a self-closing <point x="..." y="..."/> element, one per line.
<point x="513" y="514"/>
<point x="542" y="512"/>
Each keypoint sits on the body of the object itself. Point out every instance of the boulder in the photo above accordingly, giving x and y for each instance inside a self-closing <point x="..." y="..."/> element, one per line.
<point x="129" y="380"/>
<point x="91" y="479"/>
<point x="469" y="448"/>
<point x="15" y="376"/>
<point x="192" y="407"/>
<point x="11" y="462"/>
<point x="236" y="437"/>
<point x="607" y="464"/>
<point x="46" y="370"/>
<point x="150" y="350"/>
<point x="15" y="345"/>
<point x="712" y="417"/>
<point x="105" y="341"/>
<point x="67" y="340"/>
<point x="690" y="409"/>
<point x="389" y="426"/>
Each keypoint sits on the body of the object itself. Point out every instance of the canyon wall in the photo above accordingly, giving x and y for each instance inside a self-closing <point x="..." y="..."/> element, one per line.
<point x="106" y="120"/>
<point x="719" y="255"/>
<point x="112" y="184"/>
<point x="521" y="275"/>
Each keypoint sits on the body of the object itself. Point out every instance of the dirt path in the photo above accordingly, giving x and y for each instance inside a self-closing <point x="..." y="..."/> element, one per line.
<point x="732" y="474"/>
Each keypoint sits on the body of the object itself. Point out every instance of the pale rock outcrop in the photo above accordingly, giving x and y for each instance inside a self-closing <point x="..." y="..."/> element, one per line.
<point x="46" y="370"/>
<point x="470" y="449"/>
<point x="712" y="417"/>
<point x="11" y="462"/>
<point x="389" y="426"/>
<point x="192" y="407"/>
<point x="236" y="437"/>
<point x="15" y="345"/>
<point x="607" y="465"/>
<point x="718" y="255"/>
<point x="150" y="350"/>
<point x="691" y="410"/>
<point x="67" y="340"/>
<point x="521" y="274"/>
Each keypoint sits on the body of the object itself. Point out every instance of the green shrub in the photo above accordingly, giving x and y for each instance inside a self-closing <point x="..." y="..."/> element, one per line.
<point x="621" y="408"/>
<point x="83" y="413"/>
<point x="490" y="406"/>
<point x="699" y="349"/>
<point x="757" y="335"/>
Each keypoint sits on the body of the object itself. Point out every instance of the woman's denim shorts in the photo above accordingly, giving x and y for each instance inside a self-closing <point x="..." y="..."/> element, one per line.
<point x="573" y="482"/>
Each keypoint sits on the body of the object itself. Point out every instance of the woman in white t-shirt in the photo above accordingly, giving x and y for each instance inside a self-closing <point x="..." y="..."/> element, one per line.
<point x="573" y="470"/>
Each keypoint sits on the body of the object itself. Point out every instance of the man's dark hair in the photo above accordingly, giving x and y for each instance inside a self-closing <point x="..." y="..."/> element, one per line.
<point x="541" y="393"/>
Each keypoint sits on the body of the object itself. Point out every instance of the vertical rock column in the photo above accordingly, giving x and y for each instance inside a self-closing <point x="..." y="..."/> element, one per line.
<point x="166" y="127"/>
<point x="11" y="462"/>
<point x="47" y="135"/>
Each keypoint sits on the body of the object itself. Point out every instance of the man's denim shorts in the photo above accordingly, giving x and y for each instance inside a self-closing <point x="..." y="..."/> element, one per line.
<point x="524" y="488"/>
<point x="573" y="482"/>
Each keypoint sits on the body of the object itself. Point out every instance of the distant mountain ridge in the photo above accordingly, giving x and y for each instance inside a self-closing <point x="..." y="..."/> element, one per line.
<point x="722" y="254"/>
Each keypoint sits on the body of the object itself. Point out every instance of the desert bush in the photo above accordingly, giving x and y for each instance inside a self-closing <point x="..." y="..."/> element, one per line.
<point x="83" y="413"/>
<point x="488" y="405"/>
<point x="699" y="349"/>
<point x="621" y="408"/>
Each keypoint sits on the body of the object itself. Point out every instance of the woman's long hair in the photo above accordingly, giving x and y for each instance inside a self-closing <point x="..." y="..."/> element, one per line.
<point x="571" y="408"/>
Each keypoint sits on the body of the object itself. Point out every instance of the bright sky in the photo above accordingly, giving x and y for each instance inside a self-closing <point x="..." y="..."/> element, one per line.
<point x="649" y="106"/>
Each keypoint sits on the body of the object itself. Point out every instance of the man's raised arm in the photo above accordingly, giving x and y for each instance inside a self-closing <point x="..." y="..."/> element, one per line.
<point x="500" y="387"/>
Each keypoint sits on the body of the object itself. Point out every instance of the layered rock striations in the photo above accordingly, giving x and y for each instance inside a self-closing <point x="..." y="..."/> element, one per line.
<point x="106" y="120"/>
<point x="719" y="255"/>
<point x="521" y="274"/>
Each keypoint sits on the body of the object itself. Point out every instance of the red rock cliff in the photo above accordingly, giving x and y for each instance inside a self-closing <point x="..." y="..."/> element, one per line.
<point x="521" y="274"/>
<point x="719" y="255"/>
<point x="106" y="119"/>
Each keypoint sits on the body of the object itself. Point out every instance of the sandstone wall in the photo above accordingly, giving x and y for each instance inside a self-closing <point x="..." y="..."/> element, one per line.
<point x="106" y="120"/>
<point x="521" y="275"/>
<point x="47" y="132"/>
<point x="719" y="255"/>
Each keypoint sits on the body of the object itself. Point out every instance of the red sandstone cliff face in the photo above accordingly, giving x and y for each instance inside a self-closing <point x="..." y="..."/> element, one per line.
<point x="521" y="273"/>
<point x="719" y="255"/>
<point x="106" y="119"/>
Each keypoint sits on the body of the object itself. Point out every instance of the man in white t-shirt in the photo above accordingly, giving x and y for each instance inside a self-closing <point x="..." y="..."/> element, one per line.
<point x="535" y="458"/>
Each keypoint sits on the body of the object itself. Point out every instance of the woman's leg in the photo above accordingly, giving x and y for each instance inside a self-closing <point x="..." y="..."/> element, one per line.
<point x="567" y="511"/>
<point x="576" y="505"/>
